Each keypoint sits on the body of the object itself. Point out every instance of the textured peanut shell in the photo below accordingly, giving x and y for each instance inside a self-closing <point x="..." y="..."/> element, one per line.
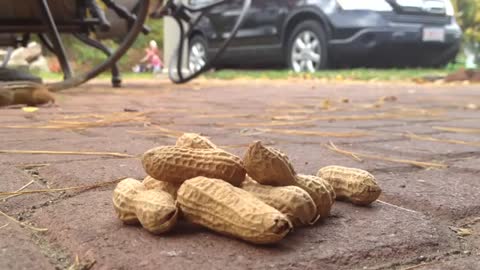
<point x="268" y="166"/>
<point x="232" y="211"/>
<point x="124" y="197"/>
<point x="292" y="201"/>
<point x="151" y="183"/>
<point x="175" y="164"/>
<point x="155" y="210"/>
<point x="355" y="185"/>
<point x="193" y="140"/>
<point x="320" y="191"/>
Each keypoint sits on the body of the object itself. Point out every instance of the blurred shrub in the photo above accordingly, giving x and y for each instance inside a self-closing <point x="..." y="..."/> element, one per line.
<point x="468" y="16"/>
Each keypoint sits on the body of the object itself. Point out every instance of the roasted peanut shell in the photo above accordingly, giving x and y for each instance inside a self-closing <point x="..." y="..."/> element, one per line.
<point x="124" y="197"/>
<point x="268" y="166"/>
<point x="355" y="185"/>
<point x="193" y="140"/>
<point x="320" y="191"/>
<point x="232" y="211"/>
<point x="292" y="201"/>
<point x="151" y="183"/>
<point x="155" y="210"/>
<point x="175" y="164"/>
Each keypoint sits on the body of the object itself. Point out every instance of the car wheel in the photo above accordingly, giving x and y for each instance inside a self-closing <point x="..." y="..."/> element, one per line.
<point x="307" y="48"/>
<point x="440" y="60"/>
<point x="197" y="53"/>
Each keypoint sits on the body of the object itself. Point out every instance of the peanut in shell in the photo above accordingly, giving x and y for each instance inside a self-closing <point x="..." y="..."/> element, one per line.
<point x="228" y="210"/>
<point x="155" y="210"/>
<point x="321" y="192"/>
<point x="176" y="164"/>
<point x="268" y="166"/>
<point x="351" y="184"/>
<point x="193" y="140"/>
<point x="151" y="183"/>
<point x="292" y="201"/>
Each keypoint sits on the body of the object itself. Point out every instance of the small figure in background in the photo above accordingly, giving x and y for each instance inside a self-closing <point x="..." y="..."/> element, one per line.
<point x="152" y="58"/>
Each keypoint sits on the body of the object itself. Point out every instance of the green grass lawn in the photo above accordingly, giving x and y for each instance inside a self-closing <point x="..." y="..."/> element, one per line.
<point x="360" y="74"/>
<point x="357" y="74"/>
<point x="105" y="75"/>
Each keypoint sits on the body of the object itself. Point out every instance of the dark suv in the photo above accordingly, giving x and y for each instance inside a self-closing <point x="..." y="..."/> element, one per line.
<point x="315" y="34"/>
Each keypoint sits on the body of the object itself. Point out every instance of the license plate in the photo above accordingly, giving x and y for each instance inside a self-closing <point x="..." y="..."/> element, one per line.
<point x="434" y="34"/>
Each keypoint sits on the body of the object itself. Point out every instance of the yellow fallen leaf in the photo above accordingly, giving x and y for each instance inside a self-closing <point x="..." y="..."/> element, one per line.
<point x="388" y="99"/>
<point x="326" y="104"/>
<point x="462" y="232"/>
<point x="472" y="106"/>
<point x="30" y="109"/>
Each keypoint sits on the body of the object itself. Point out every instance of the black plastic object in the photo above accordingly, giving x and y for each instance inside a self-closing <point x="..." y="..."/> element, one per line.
<point x="83" y="18"/>
<point x="191" y="15"/>
<point x="7" y="74"/>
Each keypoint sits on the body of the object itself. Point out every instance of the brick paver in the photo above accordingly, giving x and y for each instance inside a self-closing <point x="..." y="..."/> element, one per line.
<point x="410" y="226"/>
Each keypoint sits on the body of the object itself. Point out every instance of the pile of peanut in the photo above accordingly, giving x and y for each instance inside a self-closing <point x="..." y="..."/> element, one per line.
<point x="259" y="198"/>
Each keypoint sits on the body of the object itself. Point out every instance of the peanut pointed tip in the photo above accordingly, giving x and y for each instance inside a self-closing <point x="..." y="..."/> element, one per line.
<point x="253" y="147"/>
<point x="283" y="226"/>
<point x="256" y="143"/>
<point x="148" y="152"/>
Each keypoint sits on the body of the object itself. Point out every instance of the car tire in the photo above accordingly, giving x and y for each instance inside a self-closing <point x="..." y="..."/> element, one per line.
<point x="197" y="53"/>
<point x="442" y="60"/>
<point x="314" y="54"/>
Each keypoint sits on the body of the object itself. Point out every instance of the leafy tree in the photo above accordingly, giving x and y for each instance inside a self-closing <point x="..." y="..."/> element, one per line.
<point x="468" y="16"/>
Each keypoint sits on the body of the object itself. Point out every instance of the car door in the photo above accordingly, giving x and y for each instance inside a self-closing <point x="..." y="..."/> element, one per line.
<point x="219" y="23"/>
<point x="259" y="27"/>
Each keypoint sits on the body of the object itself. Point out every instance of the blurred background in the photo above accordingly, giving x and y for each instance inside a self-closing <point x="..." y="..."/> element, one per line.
<point x="467" y="13"/>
